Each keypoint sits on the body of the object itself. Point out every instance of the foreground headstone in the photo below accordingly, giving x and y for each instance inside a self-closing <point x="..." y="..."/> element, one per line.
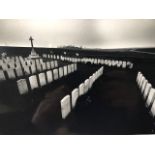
<point x="139" y="78"/>
<point x="60" y="72"/>
<point x="19" y="72"/>
<point x="33" y="82"/>
<point x="65" y="106"/>
<point x="33" y="69"/>
<point x="38" y="65"/>
<point x="81" y="89"/>
<point x="150" y="97"/>
<point x="27" y="70"/>
<point x="55" y="74"/>
<point x="42" y="79"/>
<point x="147" y="89"/>
<point x="55" y="63"/>
<point x="48" y="65"/>
<point x="90" y="82"/>
<point x="22" y="86"/>
<point x="2" y="76"/>
<point x="86" y="85"/>
<point x="124" y="64"/>
<point x="69" y="69"/>
<point x="49" y="76"/>
<point x="141" y="81"/>
<point x="75" y="66"/>
<point x="11" y="73"/>
<point x="75" y="95"/>
<point x="43" y="66"/>
<point x="153" y="109"/>
<point x="65" y="70"/>
<point x="144" y="85"/>
<point x="52" y="64"/>
<point x="72" y="67"/>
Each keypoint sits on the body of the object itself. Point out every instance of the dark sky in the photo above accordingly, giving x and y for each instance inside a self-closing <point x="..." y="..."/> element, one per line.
<point x="86" y="33"/>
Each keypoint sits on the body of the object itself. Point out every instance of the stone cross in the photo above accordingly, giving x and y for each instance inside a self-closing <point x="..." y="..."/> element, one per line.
<point x="31" y="39"/>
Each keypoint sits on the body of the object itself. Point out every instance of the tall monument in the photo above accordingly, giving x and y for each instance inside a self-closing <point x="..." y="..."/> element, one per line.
<point x="33" y="54"/>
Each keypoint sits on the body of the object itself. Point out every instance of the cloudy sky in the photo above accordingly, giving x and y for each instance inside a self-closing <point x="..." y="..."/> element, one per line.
<point x="86" y="33"/>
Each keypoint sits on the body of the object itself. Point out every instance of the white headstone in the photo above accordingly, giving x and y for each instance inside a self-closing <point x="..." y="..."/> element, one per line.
<point x="131" y="66"/>
<point x="75" y="95"/>
<point x="11" y="73"/>
<point x="150" y="97"/>
<point x="19" y="72"/>
<point x="144" y="85"/>
<point x="90" y="81"/>
<point x="43" y="66"/>
<point x="65" y="70"/>
<point x="22" y="86"/>
<point x="55" y="74"/>
<point x="81" y="89"/>
<point x="48" y="65"/>
<point x="65" y="106"/>
<point x="42" y="79"/>
<point x="141" y="81"/>
<point x="153" y="109"/>
<point x="69" y="69"/>
<point x="52" y="64"/>
<point x="72" y="67"/>
<point x="124" y="64"/>
<point x="55" y="63"/>
<point x="139" y="78"/>
<point x="33" y="82"/>
<point x="60" y="72"/>
<point x="86" y="85"/>
<point x="27" y="70"/>
<point x="38" y="65"/>
<point x="4" y="66"/>
<point x="33" y="69"/>
<point x="2" y="75"/>
<point x="146" y="90"/>
<point x="49" y="56"/>
<point x="49" y="76"/>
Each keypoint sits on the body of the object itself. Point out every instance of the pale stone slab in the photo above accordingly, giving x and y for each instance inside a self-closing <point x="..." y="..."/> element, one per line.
<point x="150" y="97"/>
<point x="75" y="95"/>
<point x="65" y="106"/>
<point x="42" y="79"/>
<point x="22" y="86"/>
<point x="33" y="82"/>
<point x="49" y="76"/>
<point x="147" y="89"/>
<point x="55" y="74"/>
<point x="2" y="75"/>
<point x="65" y="70"/>
<point x="81" y="89"/>
<point x="60" y="72"/>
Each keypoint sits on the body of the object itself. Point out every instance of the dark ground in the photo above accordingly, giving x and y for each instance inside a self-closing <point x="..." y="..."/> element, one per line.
<point x="113" y="106"/>
<point x="116" y="107"/>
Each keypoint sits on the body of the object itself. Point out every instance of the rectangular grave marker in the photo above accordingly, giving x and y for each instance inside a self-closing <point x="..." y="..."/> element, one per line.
<point x="65" y="106"/>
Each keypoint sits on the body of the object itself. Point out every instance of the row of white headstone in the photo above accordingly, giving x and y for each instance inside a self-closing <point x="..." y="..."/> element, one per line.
<point x="69" y="101"/>
<point x="108" y="62"/>
<point x="23" y="70"/>
<point x="19" y="61"/>
<point x="44" y="78"/>
<point x="147" y="91"/>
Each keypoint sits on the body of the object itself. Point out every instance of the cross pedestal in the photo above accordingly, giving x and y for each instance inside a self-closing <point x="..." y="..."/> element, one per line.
<point x="33" y="54"/>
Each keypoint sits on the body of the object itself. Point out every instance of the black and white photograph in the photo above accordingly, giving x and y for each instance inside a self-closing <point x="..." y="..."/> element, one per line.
<point x="77" y="77"/>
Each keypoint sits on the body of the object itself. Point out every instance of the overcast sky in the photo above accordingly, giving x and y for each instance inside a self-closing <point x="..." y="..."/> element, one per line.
<point x="86" y="33"/>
